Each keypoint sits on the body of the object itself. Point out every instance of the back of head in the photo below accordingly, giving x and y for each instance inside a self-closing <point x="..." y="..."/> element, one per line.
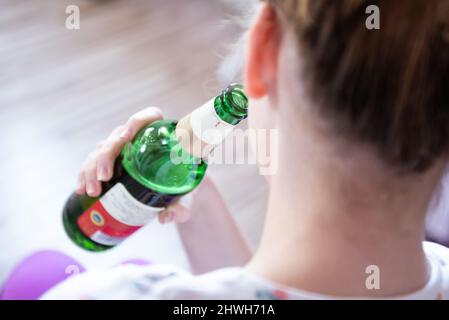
<point x="389" y="87"/>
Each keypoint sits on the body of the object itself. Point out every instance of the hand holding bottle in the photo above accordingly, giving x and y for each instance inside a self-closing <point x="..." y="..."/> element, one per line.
<point x="148" y="168"/>
<point x="99" y="164"/>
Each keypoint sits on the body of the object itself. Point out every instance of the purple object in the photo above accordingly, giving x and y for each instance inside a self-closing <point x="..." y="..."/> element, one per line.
<point x="38" y="273"/>
<point x="41" y="271"/>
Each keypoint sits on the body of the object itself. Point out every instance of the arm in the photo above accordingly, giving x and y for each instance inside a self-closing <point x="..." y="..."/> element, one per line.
<point x="211" y="237"/>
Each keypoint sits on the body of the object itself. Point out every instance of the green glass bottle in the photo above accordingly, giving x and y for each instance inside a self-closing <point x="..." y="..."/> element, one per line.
<point x="166" y="159"/>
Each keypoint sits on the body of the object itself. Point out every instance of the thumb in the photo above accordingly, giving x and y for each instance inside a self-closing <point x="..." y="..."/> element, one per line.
<point x="178" y="212"/>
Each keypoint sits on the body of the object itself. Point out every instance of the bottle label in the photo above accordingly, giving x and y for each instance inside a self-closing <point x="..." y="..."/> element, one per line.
<point x="115" y="216"/>
<point x="208" y="126"/>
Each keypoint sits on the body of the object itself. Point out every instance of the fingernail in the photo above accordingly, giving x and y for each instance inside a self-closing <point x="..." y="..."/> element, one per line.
<point x="79" y="191"/>
<point x="102" y="173"/>
<point x="90" y="190"/>
<point x="79" y="187"/>
<point x="126" y="133"/>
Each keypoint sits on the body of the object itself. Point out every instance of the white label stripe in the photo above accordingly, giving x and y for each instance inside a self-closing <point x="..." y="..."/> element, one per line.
<point x="122" y="206"/>
<point x="208" y="126"/>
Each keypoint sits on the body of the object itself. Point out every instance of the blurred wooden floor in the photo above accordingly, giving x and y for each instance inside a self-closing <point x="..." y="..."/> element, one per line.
<point x="61" y="91"/>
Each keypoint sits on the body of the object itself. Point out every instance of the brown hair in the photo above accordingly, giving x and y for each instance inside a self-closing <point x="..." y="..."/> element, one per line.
<point x="387" y="87"/>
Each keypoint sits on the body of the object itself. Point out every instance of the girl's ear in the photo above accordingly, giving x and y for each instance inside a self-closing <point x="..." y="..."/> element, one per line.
<point x="262" y="52"/>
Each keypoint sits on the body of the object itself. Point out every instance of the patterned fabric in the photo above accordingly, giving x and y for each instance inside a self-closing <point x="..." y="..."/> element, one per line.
<point x="168" y="282"/>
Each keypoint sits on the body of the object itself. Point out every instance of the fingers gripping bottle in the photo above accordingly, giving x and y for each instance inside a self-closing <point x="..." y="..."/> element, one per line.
<point x="164" y="161"/>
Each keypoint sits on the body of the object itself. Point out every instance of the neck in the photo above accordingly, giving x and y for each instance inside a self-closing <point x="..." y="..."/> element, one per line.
<point x="329" y="223"/>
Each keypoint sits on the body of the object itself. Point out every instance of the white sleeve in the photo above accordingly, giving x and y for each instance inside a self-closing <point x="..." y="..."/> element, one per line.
<point x="440" y="254"/>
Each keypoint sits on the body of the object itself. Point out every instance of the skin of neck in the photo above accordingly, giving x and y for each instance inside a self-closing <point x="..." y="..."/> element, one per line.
<point x="334" y="209"/>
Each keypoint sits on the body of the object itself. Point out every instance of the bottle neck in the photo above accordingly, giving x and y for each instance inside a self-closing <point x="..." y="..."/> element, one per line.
<point x="232" y="105"/>
<point x="208" y="125"/>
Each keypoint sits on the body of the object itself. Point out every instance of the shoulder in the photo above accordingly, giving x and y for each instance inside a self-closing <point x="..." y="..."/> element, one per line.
<point x="439" y="257"/>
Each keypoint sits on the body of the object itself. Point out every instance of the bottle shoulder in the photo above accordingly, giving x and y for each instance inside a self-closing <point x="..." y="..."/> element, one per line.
<point x="156" y="159"/>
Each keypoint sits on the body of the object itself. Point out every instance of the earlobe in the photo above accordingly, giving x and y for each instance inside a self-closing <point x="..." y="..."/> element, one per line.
<point x="262" y="53"/>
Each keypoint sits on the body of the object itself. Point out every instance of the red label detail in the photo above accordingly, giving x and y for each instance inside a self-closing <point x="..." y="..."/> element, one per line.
<point x="96" y="218"/>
